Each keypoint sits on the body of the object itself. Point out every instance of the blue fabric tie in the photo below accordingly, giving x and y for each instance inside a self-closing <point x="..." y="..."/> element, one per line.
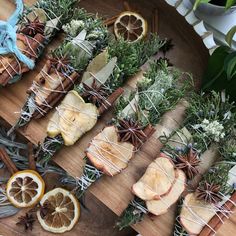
<point x="8" y="36"/>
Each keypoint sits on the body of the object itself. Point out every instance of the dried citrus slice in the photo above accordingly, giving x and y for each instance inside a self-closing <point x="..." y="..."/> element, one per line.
<point x="131" y="26"/>
<point x="25" y="188"/>
<point x="61" y="211"/>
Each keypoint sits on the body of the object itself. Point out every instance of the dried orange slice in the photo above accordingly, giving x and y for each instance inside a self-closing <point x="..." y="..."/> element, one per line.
<point x="61" y="211"/>
<point x="131" y="26"/>
<point x="25" y="188"/>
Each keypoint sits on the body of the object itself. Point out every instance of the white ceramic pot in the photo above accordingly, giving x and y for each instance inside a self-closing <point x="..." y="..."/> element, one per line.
<point x="213" y="10"/>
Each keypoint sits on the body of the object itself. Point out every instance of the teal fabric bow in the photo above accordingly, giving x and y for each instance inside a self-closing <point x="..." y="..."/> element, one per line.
<point x="8" y="36"/>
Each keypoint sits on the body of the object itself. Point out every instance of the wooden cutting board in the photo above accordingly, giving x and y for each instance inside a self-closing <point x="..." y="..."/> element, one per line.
<point x="189" y="54"/>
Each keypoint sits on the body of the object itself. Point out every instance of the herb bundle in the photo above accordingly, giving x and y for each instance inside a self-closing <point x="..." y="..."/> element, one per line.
<point x="110" y="150"/>
<point x="85" y="38"/>
<point x="36" y="27"/>
<point x="99" y="89"/>
<point x="185" y="147"/>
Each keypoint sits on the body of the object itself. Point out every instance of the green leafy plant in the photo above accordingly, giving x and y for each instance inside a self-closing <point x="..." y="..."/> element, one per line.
<point x="229" y="36"/>
<point x="221" y="72"/>
<point x="228" y="3"/>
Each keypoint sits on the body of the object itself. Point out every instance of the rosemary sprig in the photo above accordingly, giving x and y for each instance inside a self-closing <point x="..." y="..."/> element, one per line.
<point x="57" y="8"/>
<point x="49" y="147"/>
<point x="133" y="214"/>
<point x="80" y="185"/>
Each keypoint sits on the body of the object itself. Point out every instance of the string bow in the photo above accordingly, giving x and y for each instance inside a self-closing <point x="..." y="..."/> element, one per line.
<point x="8" y="36"/>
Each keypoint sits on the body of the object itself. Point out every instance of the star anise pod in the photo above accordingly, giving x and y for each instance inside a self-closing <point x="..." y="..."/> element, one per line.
<point x="131" y="131"/>
<point x="209" y="193"/>
<point x="95" y="93"/>
<point x="27" y="221"/>
<point x="188" y="163"/>
<point x="34" y="27"/>
<point x="59" y="63"/>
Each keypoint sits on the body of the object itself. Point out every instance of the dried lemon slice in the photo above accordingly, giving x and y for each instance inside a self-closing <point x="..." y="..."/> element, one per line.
<point x="61" y="211"/>
<point x="131" y="26"/>
<point x="25" y="188"/>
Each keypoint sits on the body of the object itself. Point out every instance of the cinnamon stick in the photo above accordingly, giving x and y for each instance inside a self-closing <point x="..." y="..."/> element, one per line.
<point x="12" y="69"/>
<point x="126" y="6"/>
<point x="217" y="220"/>
<point x="155" y="21"/>
<point x="110" y="21"/>
<point x="111" y="99"/>
<point x="55" y="97"/>
<point x="31" y="157"/>
<point x="7" y="161"/>
<point x="149" y="131"/>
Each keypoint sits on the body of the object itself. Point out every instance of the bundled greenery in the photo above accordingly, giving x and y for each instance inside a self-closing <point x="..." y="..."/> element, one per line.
<point x="78" y="54"/>
<point x="80" y="185"/>
<point x="210" y="118"/>
<point x="96" y="39"/>
<point x="130" y="57"/>
<point x="133" y="214"/>
<point x="54" y="8"/>
<point x="159" y="91"/>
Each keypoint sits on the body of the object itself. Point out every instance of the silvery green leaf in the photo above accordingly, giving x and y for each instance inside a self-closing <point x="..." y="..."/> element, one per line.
<point x="50" y="26"/>
<point x="80" y="37"/>
<point x="8" y="210"/>
<point x="103" y="75"/>
<point x="131" y="108"/>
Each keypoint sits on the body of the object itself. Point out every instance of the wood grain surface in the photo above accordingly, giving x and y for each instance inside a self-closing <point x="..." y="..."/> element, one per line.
<point x="189" y="54"/>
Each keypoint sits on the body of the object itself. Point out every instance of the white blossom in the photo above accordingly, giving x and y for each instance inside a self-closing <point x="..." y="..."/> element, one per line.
<point x="213" y="129"/>
<point x="73" y="27"/>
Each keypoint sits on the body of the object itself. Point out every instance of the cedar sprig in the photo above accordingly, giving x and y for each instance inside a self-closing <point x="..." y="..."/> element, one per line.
<point x="130" y="57"/>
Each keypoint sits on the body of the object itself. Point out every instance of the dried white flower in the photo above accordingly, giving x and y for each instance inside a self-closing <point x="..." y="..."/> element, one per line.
<point x="73" y="27"/>
<point x="213" y="129"/>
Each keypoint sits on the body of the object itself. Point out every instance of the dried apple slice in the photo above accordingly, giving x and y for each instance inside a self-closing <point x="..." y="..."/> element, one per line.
<point x="159" y="207"/>
<point x="108" y="154"/>
<point x="72" y="118"/>
<point x="157" y="180"/>
<point x="195" y="214"/>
